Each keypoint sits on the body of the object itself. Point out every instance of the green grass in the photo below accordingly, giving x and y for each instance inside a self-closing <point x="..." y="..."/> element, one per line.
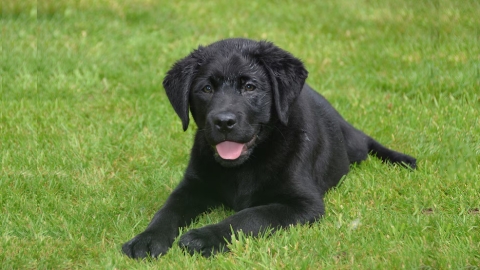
<point x="90" y="148"/>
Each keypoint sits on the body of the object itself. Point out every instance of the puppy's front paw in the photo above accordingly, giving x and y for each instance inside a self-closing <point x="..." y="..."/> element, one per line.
<point x="204" y="241"/>
<point x="146" y="244"/>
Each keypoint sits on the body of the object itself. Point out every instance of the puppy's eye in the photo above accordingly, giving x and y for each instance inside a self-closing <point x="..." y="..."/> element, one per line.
<point x="207" y="89"/>
<point x="249" y="87"/>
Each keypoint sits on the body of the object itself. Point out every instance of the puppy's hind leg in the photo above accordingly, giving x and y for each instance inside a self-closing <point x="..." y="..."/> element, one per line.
<point x="391" y="156"/>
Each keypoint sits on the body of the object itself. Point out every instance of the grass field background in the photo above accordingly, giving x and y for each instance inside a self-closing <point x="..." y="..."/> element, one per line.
<point x="90" y="147"/>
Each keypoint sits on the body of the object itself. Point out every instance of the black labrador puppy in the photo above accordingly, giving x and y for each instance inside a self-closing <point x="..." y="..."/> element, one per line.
<point x="267" y="146"/>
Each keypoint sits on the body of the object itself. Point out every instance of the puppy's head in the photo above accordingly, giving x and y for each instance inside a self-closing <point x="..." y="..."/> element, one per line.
<point x="233" y="88"/>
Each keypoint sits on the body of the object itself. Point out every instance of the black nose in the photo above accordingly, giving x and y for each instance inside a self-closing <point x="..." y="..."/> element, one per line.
<point x="225" y="121"/>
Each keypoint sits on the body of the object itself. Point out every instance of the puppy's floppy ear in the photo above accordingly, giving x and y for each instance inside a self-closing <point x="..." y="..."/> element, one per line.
<point x="177" y="84"/>
<point x="287" y="74"/>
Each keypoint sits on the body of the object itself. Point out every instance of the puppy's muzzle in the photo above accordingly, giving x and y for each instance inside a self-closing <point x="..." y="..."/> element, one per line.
<point x="224" y="122"/>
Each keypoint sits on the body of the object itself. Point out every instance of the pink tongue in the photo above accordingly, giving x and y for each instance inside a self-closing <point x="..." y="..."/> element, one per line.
<point x="229" y="150"/>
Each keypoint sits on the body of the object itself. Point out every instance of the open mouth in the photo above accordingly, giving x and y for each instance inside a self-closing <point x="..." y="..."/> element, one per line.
<point x="229" y="150"/>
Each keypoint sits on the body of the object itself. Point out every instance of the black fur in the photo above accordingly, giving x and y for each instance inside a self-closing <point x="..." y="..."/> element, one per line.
<point x="296" y="147"/>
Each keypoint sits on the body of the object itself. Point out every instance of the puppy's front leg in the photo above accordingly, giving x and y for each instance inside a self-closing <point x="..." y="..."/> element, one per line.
<point x="186" y="202"/>
<point x="212" y="239"/>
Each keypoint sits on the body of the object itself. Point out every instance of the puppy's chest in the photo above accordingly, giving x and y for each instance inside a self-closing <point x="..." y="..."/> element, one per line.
<point x="243" y="191"/>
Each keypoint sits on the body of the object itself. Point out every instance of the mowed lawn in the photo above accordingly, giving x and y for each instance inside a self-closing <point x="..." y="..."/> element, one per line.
<point x="90" y="147"/>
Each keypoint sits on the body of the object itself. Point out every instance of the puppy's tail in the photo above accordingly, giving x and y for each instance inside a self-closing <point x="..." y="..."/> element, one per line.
<point x="391" y="156"/>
